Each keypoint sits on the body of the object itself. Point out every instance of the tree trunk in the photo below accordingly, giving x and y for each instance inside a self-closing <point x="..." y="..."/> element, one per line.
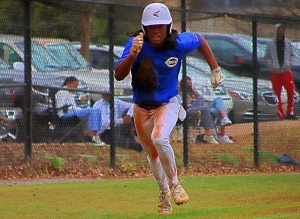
<point x="85" y="34"/>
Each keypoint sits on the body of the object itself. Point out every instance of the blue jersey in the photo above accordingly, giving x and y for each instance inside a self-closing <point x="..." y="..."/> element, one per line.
<point x="155" y="71"/>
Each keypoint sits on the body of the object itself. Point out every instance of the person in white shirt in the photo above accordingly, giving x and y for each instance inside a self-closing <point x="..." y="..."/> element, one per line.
<point x="124" y="130"/>
<point x="64" y="101"/>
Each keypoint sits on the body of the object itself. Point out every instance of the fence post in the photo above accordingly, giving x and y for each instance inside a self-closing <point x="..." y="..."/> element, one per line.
<point x="185" y="123"/>
<point x="255" y="75"/>
<point x="28" y="78"/>
<point x="112" y="85"/>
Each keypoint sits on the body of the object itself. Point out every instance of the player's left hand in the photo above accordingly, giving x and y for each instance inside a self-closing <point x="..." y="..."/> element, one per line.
<point x="216" y="77"/>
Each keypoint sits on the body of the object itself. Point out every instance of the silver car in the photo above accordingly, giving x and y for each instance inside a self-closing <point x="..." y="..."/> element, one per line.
<point x="45" y="62"/>
<point x="241" y="91"/>
<point x="96" y="79"/>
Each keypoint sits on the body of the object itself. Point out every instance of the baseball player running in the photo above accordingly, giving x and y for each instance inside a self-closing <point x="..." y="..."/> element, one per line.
<point x="153" y="55"/>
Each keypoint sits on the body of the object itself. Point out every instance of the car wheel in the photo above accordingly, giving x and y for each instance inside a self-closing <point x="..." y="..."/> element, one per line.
<point x="232" y="117"/>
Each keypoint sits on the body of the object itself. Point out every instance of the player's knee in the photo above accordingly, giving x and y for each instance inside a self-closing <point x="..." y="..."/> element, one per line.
<point x="159" y="141"/>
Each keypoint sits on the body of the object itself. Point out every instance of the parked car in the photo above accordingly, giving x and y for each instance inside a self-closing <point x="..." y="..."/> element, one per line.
<point x="240" y="89"/>
<point x="99" y="54"/>
<point x="70" y="58"/>
<point x="10" y="117"/>
<point x="234" y="52"/>
<point x="45" y="62"/>
<point x="13" y="100"/>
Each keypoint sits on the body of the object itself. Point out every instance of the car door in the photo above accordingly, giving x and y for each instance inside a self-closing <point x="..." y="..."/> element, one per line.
<point x="226" y="53"/>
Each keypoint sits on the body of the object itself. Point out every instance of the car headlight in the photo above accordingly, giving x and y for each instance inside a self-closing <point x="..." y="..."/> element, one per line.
<point x="241" y="95"/>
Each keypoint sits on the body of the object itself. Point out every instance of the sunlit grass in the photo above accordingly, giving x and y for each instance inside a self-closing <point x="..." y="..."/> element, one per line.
<point x="240" y="196"/>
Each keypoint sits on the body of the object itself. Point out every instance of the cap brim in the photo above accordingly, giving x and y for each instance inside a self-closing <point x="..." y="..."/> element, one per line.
<point x="157" y="22"/>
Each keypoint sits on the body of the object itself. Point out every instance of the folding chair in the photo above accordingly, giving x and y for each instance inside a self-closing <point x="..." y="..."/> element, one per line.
<point x="194" y="129"/>
<point x="62" y="129"/>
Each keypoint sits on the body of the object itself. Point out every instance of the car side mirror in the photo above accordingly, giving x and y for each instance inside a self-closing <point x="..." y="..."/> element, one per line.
<point x="18" y="66"/>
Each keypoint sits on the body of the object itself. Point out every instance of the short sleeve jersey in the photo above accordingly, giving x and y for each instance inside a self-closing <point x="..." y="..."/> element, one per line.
<point x="155" y="71"/>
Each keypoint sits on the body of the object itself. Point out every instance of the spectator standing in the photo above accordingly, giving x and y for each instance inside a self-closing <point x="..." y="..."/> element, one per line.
<point x="279" y="58"/>
<point x="153" y="56"/>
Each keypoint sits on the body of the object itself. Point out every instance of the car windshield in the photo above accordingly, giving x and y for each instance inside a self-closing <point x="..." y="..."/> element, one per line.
<point x="42" y="59"/>
<point x="69" y="56"/>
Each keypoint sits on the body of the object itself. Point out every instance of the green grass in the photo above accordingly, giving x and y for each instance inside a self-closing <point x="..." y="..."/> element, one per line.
<point x="241" y="196"/>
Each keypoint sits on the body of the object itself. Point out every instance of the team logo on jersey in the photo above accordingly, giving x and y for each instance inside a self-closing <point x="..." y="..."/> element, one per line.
<point x="155" y="14"/>
<point x="171" y="62"/>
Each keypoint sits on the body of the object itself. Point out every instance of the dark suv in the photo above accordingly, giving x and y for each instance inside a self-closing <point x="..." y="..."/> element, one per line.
<point x="234" y="52"/>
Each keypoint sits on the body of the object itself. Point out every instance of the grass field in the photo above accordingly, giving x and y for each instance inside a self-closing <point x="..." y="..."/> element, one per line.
<point x="262" y="196"/>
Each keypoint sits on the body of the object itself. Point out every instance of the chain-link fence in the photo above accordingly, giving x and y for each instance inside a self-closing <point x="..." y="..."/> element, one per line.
<point x="84" y="39"/>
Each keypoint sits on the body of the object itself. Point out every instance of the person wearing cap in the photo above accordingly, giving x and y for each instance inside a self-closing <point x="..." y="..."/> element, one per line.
<point x="65" y="102"/>
<point x="153" y="56"/>
<point x="123" y="121"/>
<point x="279" y="58"/>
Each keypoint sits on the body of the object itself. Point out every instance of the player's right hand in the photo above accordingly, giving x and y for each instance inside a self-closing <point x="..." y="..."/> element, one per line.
<point x="137" y="44"/>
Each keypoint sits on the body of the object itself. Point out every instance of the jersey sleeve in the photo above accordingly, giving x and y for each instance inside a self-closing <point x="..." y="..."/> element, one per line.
<point x="189" y="41"/>
<point x="126" y="51"/>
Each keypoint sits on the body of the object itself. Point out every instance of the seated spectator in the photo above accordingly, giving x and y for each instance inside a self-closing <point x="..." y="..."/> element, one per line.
<point x="196" y="108"/>
<point x="196" y="104"/>
<point x="124" y="126"/>
<point x="65" y="102"/>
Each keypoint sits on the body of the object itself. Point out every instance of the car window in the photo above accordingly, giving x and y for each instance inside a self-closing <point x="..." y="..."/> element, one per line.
<point x="8" y="54"/>
<point x="42" y="59"/>
<point x="224" y="51"/>
<point x="247" y="44"/>
<point x="100" y="59"/>
<point x="68" y="56"/>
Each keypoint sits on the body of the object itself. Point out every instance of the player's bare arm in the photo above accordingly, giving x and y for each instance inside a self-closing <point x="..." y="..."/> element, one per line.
<point x="216" y="76"/>
<point x="124" y="67"/>
<point x="208" y="55"/>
